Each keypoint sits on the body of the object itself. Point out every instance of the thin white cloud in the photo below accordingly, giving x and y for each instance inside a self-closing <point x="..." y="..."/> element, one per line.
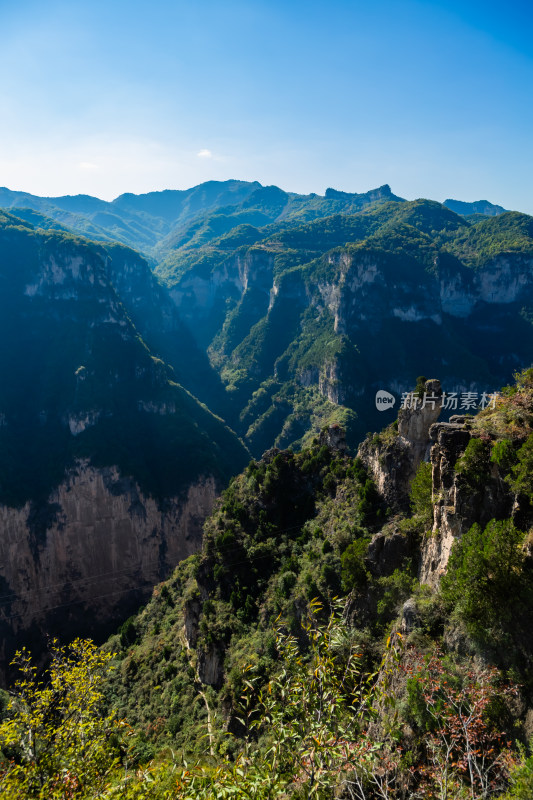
<point x="205" y="153"/>
<point x="87" y="166"/>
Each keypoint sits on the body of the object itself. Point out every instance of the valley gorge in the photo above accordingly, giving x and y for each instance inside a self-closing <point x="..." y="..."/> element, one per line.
<point x="109" y="466"/>
<point x="137" y="382"/>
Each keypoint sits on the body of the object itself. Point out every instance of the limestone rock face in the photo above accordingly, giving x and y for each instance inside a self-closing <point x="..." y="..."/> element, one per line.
<point x="414" y="423"/>
<point x="210" y="667"/>
<point x="455" y="507"/>
<point x="389" y="464"/>
<point x="191" y="617"/>
<point x="505" y="279"/>
<point x="202" y="299"/>
<point x="450" y="442"/>
<point x="410" y="616"/>
<point x="334" y="437"/>
<point x="387" y="551"/>
<point x="362" y="294"/>
<point x="392" y="459"/>
<point x="96" y="557"/>
<point x="365" y="294"/>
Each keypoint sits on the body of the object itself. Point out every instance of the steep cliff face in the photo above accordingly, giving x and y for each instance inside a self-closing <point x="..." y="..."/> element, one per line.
<point x="241" y="284"/>
<point x="503" y="280"/>
<point x="457" y="504"/>
<point x="108" y="466"/>
<point x="105" y="547"/>
<point x="450" y="516"/>
<point x="393" y="457"/>
<point x="78" y="379"/>
<point x="159" y="321"/>
<point x="458" y="501"/>
<point x="325" y="314"/>
<point x="368" y="288"/>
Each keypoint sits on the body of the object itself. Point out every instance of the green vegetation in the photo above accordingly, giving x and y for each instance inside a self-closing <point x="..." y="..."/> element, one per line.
<point x="507" y="233"/>
<point x="474" y="464"/>
<point x="245" y="675"/>
<point x="80" y="382"/>
<point x="486" y="583"/>
<point x="421" y="497"/>
<point x="291" y="528"/>
<point x="309" y="318"/>
<point x="521" y="480"/>
<point x="262" y="629"/>
<point x="56" y="738"/>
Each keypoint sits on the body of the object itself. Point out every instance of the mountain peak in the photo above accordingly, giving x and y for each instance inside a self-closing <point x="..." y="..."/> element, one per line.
<point x="380" y="193"/>
<point x="476" y="207"/>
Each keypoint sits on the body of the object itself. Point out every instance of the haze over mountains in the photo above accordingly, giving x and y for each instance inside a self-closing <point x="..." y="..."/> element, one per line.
<point x="135" y="382"/>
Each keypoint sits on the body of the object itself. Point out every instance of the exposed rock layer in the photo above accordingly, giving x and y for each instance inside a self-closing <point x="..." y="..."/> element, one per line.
<point x="457" y="506"/>
<point x="99" y="558"/>
<point x="392" y="459"/>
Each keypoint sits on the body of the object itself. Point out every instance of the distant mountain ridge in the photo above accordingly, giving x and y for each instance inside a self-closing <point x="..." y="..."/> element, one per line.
<point x="477" y="207"/>
<point x="257" y="276"/>
<point x="156" y="223"/>
<point x="145" y="221"/>
<point x="136" y="220"/>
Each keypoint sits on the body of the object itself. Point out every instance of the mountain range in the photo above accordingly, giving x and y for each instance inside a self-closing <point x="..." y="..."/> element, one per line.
<point x="153" y="344"/>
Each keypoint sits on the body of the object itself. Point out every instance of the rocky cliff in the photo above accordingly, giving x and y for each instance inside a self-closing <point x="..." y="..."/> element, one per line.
<point x="306" y="306"/>
<point x="108" y="466"/>
<point x="325" y="314"/>
<point x="473" y="460"/>
<point x="241" y="283"/>
<point x="105" y="546"/>
<point x="392" y="458"/>
<point x="459" y="502"/>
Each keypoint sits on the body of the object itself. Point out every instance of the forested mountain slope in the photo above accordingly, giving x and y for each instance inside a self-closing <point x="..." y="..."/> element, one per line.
<point x="158" y="223"/>
<point x="307" y="305"/>
<point x="449" y="578"/>
<point x="306" y="324"/>
<point x="279" y="325"/>
<point x="108" y="465"/>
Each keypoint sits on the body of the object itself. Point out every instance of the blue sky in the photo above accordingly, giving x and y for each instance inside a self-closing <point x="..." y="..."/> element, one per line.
<point x="433" y="98"/>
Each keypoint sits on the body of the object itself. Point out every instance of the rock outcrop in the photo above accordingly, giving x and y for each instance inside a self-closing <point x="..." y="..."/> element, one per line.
<point x="367" y="289"/>
<point x="210" y="666"/>
<point x="449" y="443"/>
<point x="457" y="505"/>
<point x="387" y="551"/>
<point x="393" y="457"/>
<point x="203" y="298"/>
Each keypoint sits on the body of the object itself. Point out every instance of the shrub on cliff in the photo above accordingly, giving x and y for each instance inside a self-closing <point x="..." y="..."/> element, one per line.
<point x="474" y="465"/>
<point x="421" y="494"/>
<point x="521" y="480"/>
<point x="486" y="584"/>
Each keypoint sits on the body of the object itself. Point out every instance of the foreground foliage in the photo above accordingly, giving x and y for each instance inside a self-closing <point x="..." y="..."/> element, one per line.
<point x="56" y="738"/>
<point x="244" y="677"/>
<point x="322" y="726"/>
